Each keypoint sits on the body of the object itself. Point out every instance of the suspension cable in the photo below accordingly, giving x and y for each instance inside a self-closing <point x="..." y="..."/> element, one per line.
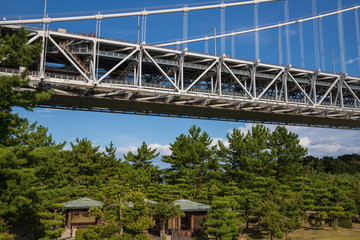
<point x="185" y="26"/>
<point x="287" y="31"/>
<point x="131" y="14"/>
<point x="256" y="24"/>
<point x="341" y="39"/>
<point x="357" y="34"/>
<point x="322" y="45"/>
<point x="222" y="29"/>
<point x="302" y="51"/>
<point x="316" y="35"/>
<point x="280" y="54"/>
<point x="262" y="28"/>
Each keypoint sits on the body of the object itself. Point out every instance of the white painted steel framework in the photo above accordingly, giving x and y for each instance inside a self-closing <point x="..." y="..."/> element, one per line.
<point x="257" y="29"/>
<point x="100" y="16"/>
<point x="145" y="79"/>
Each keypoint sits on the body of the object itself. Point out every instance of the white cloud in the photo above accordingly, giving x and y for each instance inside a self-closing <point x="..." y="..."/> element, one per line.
<point x="46" y="110"/>
<point x="321" y="141"/>
<point x="328" y="142"/>
<point x="305" y="142"/>
<point x="352" y="60"/>
<point x="162" y="149"/>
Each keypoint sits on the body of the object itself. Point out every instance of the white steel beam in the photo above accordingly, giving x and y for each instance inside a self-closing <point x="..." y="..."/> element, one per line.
<point x="260" y="28"/>
<point x="151" y="98"/>
<point x="132" y="14"/>
<point x="190" y="101"/>
<point x="269" y="85"/>
<point x="33" y="39"/>
<point x="160" y="69"/>
<point x="69" y="59"/>
<point x="237" y="80"/>
<point x="110" y="94"/>
<point x="301" y="89"/>
<point x="351" y="91"/>
<point x="118" y="64"/>
<point x="328" y="91"/>
<point x="201" y="75"/>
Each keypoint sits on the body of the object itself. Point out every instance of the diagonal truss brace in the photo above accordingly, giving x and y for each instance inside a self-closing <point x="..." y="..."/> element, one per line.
<point x="301" y="89"/>
<point x="69" y="59"/>
<point x="328" y="91"/>
<point x="32" y="39"/>
<point x="238" y="81"/>
<point x="118" y="64"/>
<point x="351" y="91"/>
<point x="160" y="69"/>
<point x="270" y="84"/>
<point x="201" y="75"/>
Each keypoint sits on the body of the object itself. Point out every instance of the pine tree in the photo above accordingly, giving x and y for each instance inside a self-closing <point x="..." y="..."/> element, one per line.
<point x="288" y="153"/>
<point x="14" y="52"/>
<point x="143" y="160"/>
<point x="193" y="161"/>
<point x="223" y="222"/>
<point x="143" y="157"/>
<point x="163" y="211"/>
<point x="271" y="219"/>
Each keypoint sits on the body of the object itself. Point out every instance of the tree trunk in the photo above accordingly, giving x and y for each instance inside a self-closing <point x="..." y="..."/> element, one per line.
<point x="121" y="226"/>
<point x="162" y="231"/>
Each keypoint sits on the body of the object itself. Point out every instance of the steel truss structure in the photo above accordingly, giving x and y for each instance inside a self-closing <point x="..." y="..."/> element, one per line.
<point x="90" y="73"/>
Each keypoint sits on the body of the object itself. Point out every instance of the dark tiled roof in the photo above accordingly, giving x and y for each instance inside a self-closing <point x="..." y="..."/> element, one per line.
<point x="191" y="206"/>
<point x="82" y="203"/>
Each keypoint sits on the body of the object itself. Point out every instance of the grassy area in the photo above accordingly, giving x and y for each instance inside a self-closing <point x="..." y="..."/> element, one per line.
<point x="310" y="233"/>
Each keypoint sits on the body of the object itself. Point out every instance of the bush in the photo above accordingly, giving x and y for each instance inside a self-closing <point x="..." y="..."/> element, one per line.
<point x="345" y="223"/>
<point x="79" y="234"/>
<point x="6" y="236"/>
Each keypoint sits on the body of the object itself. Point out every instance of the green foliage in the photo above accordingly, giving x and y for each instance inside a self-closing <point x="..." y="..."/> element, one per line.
<point x="271" y="219"/>
<point x="7" y="236"/>
<point x="260" y="176"/>
<point x="127" y="214"/>
<point x="143" y="160"/>
<point x="79" y="234"/>
<point x="163" y="211"/>
<point x="193" y="162"/>
<point x="345" y="223"/>
<point x="15" y="52"/>
<point x="4" y="234"/>
<point x="223" y="222"/>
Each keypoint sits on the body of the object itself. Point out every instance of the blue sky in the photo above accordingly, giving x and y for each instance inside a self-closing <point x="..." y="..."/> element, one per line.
<point x="128" y="131"/>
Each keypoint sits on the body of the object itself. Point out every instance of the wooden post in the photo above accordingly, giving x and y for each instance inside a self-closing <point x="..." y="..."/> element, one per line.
<point x="192" y="223"/>
<point x="173" y="225"/>
<point x="179" y="224"/>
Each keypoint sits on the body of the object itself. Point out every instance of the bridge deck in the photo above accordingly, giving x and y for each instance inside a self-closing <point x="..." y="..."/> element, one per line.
<point x="95" y="74"/>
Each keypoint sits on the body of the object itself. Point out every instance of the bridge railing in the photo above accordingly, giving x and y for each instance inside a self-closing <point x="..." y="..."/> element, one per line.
<point x="194" y="90"/>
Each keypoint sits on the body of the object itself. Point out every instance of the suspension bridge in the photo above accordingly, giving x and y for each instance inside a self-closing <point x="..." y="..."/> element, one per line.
<point x="91" y="73"/>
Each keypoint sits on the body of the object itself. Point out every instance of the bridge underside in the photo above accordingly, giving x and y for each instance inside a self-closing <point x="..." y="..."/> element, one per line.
<point x="88" y="73"/>
<point x="242" y="113"/>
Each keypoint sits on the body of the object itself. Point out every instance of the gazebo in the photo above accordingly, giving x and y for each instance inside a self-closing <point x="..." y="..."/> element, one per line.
<point x="77" y="215"/>
<point x="190" y="224"/>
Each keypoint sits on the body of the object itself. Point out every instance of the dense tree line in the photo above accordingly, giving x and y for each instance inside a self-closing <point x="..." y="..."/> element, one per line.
<point x="260" y="176"/>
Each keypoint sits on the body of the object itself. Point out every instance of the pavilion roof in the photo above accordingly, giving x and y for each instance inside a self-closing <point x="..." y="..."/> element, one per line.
<point x="191" y="206"/>
<point x="82" y="203"/>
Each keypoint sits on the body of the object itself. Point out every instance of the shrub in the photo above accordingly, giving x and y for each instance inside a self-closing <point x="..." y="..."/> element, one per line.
<point x="79" y="234"/>
<point x="345" y="223"/>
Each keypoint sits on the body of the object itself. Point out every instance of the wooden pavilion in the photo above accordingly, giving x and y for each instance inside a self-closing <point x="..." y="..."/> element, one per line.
<point x="77" y="215"/>
<point x="190" y="224"/>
